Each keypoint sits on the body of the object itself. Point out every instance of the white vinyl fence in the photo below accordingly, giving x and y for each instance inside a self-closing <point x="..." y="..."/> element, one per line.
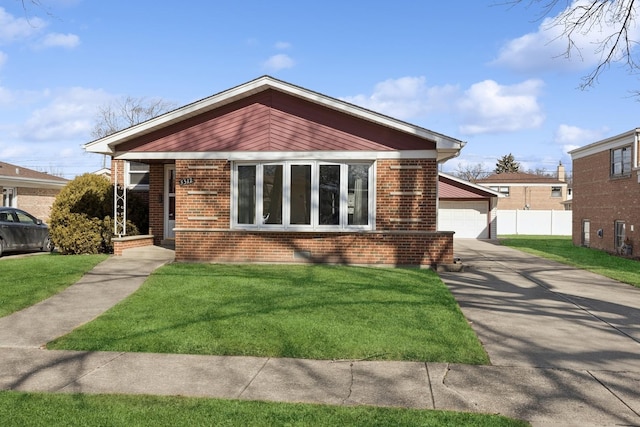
<point x="546" y="223"/>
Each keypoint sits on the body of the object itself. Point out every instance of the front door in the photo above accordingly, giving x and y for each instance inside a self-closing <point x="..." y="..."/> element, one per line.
<point x="169" y="201"/>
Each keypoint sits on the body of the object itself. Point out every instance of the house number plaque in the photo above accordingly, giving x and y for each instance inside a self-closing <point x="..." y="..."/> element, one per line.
<point x="186" y="181"/>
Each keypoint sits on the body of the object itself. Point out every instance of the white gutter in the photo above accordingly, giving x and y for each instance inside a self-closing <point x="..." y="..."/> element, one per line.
<point x="31" y="182"/>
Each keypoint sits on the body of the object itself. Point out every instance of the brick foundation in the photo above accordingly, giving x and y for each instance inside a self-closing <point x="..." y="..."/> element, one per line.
<point x="371" y="248"/>
<point x="122" y="243"/>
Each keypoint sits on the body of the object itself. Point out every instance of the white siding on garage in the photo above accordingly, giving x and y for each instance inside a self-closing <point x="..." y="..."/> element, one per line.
<point x="469" y="219"/>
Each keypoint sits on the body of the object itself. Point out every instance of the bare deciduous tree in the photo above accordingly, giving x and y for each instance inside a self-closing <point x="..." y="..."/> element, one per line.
<point x="614" y="19"/>
<point x="127" y="112"/>
<point x="471" y="173"/>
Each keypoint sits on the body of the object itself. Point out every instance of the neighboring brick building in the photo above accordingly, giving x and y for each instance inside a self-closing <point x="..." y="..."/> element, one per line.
<point x="526" y="191"/>
<point x="29" y="190"/>
<point x="272" y="172"/>
<point x="606" y="194"/>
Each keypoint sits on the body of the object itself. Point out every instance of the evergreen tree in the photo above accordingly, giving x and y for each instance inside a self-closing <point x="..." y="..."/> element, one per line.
<point x="507" y="164"/>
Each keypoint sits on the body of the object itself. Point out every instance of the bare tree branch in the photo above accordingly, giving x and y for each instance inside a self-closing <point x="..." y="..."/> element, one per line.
<point x="580" y="18"/>
<point x="127" y="112"/>
<point x="471" y="173"/>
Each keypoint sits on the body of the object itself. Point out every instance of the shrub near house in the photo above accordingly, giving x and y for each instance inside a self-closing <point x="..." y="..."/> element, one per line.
<point x="81" y="216"/>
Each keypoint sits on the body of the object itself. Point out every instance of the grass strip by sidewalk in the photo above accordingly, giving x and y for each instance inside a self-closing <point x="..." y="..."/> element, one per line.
<point x="35" y="409"/>
<point x="561" y="249"/>
<point x="298" y="311"/>
<point x="26" y="281"/>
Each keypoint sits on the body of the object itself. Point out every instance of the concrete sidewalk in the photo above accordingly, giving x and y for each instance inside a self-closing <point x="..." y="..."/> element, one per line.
<point x="525" y="383"/>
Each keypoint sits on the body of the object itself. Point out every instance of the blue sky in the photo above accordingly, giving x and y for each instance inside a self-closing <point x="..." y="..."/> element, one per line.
<point x="477" y="70"/>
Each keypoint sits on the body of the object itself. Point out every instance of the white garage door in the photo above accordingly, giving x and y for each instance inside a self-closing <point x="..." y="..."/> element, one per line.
<point x="468" y="219"/>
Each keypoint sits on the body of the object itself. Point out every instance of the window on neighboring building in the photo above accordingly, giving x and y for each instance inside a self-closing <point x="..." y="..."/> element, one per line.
<point x="501" y="189"/>
<point x="619" y="234"/>
<point x="302" y="195"/>
<point x="137" y="175"/>
<point x="586" y="232"/>
<point x="9" y="197"/>
<point x="621" y="161"/>
<point x="556" y="191"/>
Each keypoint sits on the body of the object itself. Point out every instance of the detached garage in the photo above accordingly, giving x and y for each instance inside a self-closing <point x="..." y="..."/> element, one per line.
<point x="465" y="208"/>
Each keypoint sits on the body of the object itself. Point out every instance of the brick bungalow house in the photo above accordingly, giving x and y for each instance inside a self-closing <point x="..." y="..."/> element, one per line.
<point x="529" y="191"/>
<point x="606" y="197"/>
<point x="29" y="190"/>
<point x="272" y="172"/>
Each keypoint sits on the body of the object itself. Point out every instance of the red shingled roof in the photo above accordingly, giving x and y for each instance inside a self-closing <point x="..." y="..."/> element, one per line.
<point x="452" y="189"/>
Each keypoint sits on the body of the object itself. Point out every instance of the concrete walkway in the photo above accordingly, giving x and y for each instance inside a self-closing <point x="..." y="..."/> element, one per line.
<point x="563" y="343"/>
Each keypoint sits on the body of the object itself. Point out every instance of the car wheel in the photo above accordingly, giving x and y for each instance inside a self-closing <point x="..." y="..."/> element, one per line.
<point x="47" y="245"/>
<point x="1" y="247"/>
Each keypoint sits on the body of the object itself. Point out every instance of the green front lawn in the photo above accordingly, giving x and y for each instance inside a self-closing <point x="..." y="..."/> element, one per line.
<point x="35" y="409"/>
<point x="26" y="281"/>
<point x="300" y="311"/>
<point x="561" y="249"/>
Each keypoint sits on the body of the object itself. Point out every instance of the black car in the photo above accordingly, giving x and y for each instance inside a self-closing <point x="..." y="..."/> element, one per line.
<point x="21" y="231"/>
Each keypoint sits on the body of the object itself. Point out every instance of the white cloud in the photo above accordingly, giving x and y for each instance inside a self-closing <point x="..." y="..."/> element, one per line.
<point x="60" y="40"/>
<point x="6" y="96"/>
<point x="10" y="150"/>
<point x="13" y="29"/>
<point x="279" y="62"/>
<point x="283" y="45"/>
<point x="69" y="115"/>
<point x="572" y="137"/>
<point x="405" y="98"/>
<point x="488" y="107"/>
<point x="546" y="49"/>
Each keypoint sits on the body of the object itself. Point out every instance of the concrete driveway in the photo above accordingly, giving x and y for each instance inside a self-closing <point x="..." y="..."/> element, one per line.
<point x="530" y="312"/>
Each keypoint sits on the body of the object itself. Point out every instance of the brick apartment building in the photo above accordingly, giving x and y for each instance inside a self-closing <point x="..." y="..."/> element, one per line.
<point x="272" y="172"/>
<point x="606" y="199"/>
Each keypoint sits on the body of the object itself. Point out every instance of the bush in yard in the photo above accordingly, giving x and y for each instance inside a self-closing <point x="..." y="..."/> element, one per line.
<point x="81" y="217"/>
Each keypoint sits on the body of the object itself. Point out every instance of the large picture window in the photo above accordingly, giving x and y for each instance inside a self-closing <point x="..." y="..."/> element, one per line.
<point x="299" y="195"/>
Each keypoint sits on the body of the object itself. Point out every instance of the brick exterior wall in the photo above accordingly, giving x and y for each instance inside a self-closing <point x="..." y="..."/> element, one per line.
<point x="536" y="196"/>
<point x="122" y="243"/>
<point x="36" y="201"/>
<point x="405" y="221"/>
<point x="374" y="248"/>
<point x="602" y="200"/>
<point x="156" y="202"/>
<point x="406" y="195"/>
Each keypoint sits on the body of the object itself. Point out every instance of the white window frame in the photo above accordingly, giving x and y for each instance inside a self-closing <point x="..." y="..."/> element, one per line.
<point x="12" y="200"/>
<point x="315" y="197"/>
<point x="619" y="233"/>
<point x="502" y="189"/>
<point x="127" y="174"/>
<point x="556" y="191"/>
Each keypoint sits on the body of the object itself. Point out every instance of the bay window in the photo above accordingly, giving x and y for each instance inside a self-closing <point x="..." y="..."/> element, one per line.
<point x="302" y="195"/>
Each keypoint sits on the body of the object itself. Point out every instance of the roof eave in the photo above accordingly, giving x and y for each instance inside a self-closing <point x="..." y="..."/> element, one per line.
<point x="471" y="184"/>
<point x="31" y="182"/>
